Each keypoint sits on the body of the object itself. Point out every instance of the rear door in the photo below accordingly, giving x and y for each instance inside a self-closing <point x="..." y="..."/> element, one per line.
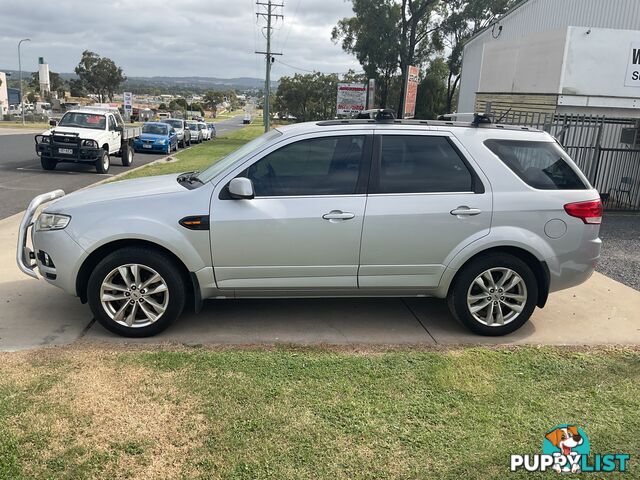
<point x="303" y="228"/>
<point x="426" y="201"/>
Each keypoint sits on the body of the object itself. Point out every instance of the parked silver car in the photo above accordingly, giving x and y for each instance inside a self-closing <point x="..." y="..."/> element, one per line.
<point x="184" y="134"/>
<point x="492" y="219"/>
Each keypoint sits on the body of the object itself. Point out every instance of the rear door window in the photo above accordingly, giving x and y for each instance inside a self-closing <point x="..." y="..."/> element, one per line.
<point x="541" y="165"/>
<point x="421" y="164"/>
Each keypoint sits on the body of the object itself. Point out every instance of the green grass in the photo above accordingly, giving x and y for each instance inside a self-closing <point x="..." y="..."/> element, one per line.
<point x="308" y="413"/>
<point x="200" y="156"/>
<point x="18" y="124"/>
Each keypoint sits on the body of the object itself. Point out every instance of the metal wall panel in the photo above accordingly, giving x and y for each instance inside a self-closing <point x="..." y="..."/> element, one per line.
<point x="535" y="16"/>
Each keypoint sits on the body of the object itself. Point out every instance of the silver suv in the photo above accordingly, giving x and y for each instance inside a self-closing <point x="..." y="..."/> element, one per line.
<point x="492" y="218"/>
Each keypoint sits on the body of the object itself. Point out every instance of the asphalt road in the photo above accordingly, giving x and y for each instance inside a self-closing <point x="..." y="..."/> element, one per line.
<point x="22" y="177"/>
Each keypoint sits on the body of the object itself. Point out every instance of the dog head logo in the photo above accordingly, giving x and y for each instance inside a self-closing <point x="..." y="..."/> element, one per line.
<point x="565" y="439"/>
<point x="568" y="441"/>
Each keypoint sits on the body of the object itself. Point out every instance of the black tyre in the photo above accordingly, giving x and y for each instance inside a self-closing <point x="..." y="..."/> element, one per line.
<point x="48" y="163"/>
<point x="103" y="163"/>
<point x="127" y="155"/>
<point x="494" y="294"/>
<point x="136" y="292"/>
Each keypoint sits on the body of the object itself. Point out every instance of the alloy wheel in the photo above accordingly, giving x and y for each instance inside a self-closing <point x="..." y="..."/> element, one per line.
<point x="497" y="297"/>
<point x="134" y="295"/>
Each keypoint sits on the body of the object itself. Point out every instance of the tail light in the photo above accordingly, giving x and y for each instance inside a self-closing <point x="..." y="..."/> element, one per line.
<point x="589" y="212"/>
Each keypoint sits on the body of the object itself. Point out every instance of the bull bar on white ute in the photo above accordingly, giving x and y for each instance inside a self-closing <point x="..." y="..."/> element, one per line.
<point x="24" y="256"/>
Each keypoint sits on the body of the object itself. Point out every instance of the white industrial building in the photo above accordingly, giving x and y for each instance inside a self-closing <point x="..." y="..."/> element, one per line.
<point x="557" y="56"/>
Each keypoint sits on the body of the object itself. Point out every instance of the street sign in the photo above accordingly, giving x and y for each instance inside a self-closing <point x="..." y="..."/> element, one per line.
<point x="352" y="98"/>
<point x="411" y="92"/>
<point x="128" y="103"/>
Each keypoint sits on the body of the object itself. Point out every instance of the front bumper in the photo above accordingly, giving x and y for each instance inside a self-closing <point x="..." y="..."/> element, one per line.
<point x="142" y="146"/>
<point x="55" y="254"/>
<point x="70" y="149"/>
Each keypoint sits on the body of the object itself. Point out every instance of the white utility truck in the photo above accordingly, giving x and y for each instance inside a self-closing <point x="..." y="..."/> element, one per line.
<point x="87" y="135"/>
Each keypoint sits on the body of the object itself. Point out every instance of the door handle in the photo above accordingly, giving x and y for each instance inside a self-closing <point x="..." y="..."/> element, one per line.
<point x="334" y="215"/>
<point x="466" y="211"/>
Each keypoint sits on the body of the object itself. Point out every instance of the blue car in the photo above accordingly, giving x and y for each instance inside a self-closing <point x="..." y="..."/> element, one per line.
<point x="156" y="137"/>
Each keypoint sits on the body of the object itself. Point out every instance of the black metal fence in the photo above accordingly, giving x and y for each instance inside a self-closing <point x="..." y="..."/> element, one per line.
<point x="606" y="149"/>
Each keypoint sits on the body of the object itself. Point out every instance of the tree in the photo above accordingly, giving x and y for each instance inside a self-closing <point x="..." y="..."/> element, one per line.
<point x="178" y="104"/>
<point x="212" y="99"/>
<point x="432" y="91"/>
<point x="372" y="36"/>
<point x="308" y="97"/>
<point x="462" y="19"/>
<point x="387" y="34"/>
<point x="77" y="88"/>
<point x="99" y="75"/>
<point x="162" y="106"/>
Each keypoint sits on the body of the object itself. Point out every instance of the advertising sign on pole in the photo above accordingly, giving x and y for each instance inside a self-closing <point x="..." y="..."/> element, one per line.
<point x="371" y="98"/>
<point x="411" y="92"/>
<point x="128" y="104"/>
<point x="352" y="98"/>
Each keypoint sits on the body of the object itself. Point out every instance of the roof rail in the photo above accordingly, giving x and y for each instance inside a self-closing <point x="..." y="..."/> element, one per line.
<point x="481" y="122"/>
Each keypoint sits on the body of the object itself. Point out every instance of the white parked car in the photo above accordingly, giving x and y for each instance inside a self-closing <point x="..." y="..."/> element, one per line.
<point x="492" y="219"/>
<point x="206" y="133"/>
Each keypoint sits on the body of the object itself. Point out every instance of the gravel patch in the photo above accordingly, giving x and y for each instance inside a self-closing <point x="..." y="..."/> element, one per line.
<point x="620" y="259"/>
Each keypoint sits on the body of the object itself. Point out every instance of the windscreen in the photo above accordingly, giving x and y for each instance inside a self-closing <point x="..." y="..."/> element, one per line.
<point x="83" y="120"/>
<point x="246" y="150"/>
<point x="154" y="129"/>
<point x="174" y="123"/>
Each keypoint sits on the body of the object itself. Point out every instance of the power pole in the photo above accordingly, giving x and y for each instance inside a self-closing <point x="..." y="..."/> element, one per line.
<point x="269" y="13"/>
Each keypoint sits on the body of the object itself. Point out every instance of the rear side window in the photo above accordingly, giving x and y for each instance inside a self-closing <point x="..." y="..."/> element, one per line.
<point x="541" y="165"/>
<point x="421" y="164"/>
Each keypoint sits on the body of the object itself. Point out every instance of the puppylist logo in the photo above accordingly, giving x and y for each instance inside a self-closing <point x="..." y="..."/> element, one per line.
<point x="566" y="449"/>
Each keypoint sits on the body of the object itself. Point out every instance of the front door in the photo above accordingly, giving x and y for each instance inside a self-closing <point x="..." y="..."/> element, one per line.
<point x="114" y="135"/>
<point x="426" y="201"/>
<point x="303" y="228"/>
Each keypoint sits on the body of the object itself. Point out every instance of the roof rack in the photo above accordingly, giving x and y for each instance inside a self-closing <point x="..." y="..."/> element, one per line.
<point x="480" y="122"/>
<point x="378" y="114"/>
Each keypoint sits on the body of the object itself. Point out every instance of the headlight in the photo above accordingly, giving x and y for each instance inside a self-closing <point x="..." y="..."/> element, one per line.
<point x="45" y="139"/>
<point x="162" y="141"/>
<point x="89" y="143"/>
<point x="52" y="221"/>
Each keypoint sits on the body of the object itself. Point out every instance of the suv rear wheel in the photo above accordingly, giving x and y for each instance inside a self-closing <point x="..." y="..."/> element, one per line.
<point x="494" y="294"/>
<point x="136" y="292"/>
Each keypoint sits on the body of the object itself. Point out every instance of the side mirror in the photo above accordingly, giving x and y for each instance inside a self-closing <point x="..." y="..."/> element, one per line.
<point x="241" y="188"/>
<point x="173" y="131"/>
<point x="53" y="123"/>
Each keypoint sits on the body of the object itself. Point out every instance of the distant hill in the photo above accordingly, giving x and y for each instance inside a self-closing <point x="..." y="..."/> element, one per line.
<point x="179" y="83"/>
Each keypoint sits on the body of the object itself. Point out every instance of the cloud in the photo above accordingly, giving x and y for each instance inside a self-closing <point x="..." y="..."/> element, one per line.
<point x="173" y="38"/>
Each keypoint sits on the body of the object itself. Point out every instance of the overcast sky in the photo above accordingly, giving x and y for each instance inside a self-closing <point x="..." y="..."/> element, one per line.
<point x="213" y="38"/>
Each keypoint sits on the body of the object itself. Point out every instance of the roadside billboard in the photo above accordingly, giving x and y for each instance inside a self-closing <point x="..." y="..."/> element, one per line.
<point x="411" y="92"/>
<point x="352" y="98"/>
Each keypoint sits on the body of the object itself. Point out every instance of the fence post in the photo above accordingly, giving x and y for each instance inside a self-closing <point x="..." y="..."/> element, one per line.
<point x="598" y="151"/>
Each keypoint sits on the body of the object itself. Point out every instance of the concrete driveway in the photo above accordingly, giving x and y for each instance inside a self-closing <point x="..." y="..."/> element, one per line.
<point x="35" y="314"/>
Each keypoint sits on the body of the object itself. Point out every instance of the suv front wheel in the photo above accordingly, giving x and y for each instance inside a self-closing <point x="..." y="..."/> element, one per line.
<point x="136" y="292"/>
<point x="494" y="295"/>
